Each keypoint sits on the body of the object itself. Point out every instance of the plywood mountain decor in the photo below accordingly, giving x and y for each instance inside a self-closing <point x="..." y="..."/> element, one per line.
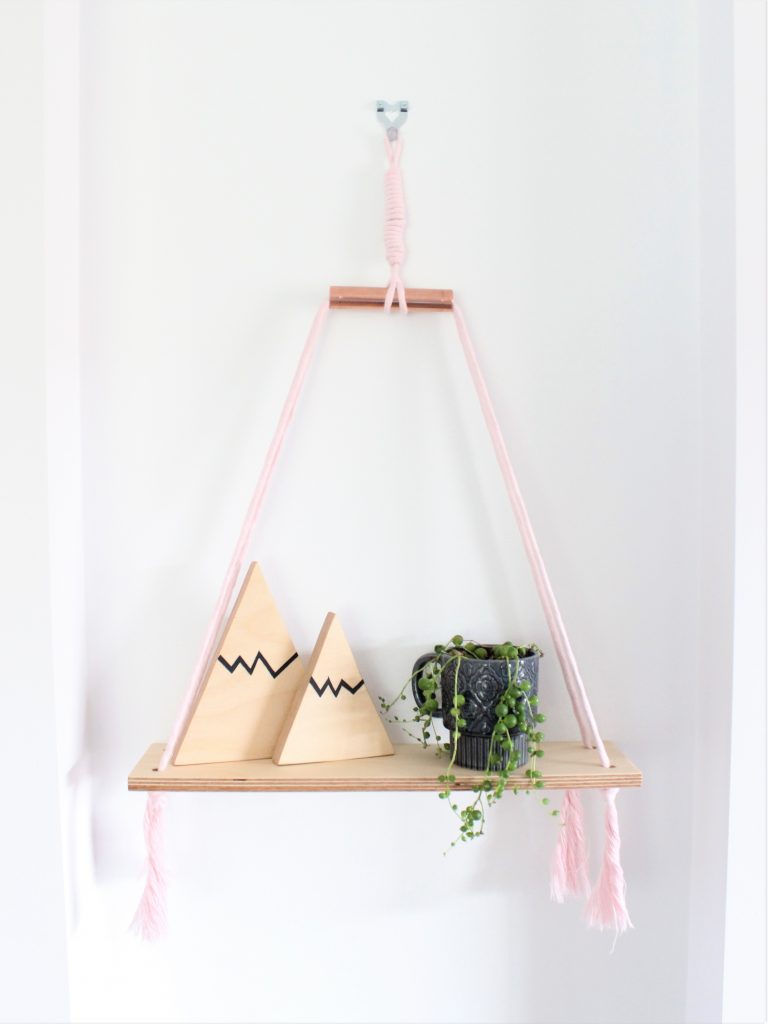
<point x="250" y="685"/>
<point x="333" y="717"/>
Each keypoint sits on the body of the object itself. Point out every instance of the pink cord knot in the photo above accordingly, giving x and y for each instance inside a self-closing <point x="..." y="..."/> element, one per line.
<point x="394" y="225"/>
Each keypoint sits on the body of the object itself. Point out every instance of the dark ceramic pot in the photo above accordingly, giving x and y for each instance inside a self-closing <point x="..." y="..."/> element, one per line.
<point x="481" y="683"/>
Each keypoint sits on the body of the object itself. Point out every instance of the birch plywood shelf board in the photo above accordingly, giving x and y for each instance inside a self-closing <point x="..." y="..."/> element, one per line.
<point x="565" y="765"/>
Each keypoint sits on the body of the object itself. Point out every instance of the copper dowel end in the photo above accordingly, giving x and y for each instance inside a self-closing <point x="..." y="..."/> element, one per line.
<point x="351" y="297"/>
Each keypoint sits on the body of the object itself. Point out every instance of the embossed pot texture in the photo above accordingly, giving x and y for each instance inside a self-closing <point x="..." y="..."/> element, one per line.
<point x="481" y="683"/>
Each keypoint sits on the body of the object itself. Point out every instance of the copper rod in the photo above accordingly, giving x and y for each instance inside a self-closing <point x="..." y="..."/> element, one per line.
<point x="352" y="297"/>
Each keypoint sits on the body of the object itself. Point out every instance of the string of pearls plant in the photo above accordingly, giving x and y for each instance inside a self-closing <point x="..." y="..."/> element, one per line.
<point x="515" y="712"/>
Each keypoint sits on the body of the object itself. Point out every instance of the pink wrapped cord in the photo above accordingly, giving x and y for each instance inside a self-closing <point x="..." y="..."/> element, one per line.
<point x="149" y="920"/>
<point x="394" y="225"/>
<point x="236" y="562"/>
<point x="607" y="904"/>
<point x="590" y="735"/>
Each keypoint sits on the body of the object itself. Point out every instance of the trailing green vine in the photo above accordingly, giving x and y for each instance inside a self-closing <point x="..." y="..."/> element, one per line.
<point x="516" y="711"/>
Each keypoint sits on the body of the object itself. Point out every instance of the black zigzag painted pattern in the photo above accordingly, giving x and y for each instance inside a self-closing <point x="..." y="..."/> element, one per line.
<point x="335" y="690"/>
<point x="250" y="669"/>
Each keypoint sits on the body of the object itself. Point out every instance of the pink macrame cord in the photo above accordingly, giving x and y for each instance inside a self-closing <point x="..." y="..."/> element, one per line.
<point x="580" y="702"/>
<point x="150" y="918"/>
<point x="236" y="562"/>
<point x="394" y="225"/>
<point x="607" y="903"/>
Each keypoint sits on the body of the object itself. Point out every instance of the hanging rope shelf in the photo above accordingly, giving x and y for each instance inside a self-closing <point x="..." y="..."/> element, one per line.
<point x="212" y="749"/>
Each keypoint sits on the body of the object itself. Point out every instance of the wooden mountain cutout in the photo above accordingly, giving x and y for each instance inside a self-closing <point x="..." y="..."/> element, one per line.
<point x="250" y="684"/>
<point x="333" y="717"/>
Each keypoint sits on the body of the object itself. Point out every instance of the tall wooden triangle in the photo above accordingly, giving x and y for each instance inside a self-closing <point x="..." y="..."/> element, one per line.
<point x="333" y="717"/>
<point x="250" y="684"/>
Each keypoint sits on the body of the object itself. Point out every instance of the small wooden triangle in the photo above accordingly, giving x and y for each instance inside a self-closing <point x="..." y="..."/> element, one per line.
<point x="250" y="684"/>
<point x="333" y="717"/>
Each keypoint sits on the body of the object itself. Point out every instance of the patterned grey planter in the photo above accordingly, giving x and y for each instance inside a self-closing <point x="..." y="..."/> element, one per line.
<point x="481" y="683"/>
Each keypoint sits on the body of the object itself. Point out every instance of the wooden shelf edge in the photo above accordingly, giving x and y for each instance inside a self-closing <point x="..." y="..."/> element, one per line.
<point x="565" y="765"/>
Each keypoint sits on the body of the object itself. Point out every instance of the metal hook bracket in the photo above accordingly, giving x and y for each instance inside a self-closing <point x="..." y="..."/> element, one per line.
<point x="392" y="124"/>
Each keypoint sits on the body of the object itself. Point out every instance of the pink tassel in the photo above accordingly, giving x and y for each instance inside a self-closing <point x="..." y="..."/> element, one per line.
<point x="149" y="921"/>
<point x="607" y="906"/>
<point x="569" y="876"/>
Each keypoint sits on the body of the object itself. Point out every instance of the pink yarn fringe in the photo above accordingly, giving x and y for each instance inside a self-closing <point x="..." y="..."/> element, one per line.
<point x="607" y="905"/>
<point x="569" y="875"/>
<point x="150" y="920"/>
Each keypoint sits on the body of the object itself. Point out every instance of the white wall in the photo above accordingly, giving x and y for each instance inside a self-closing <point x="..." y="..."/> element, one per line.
<point x="231" y="169"/>
<point x="744" y="991"/>
<point x="33" y="928"/>
<point x="709" y="711"/>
